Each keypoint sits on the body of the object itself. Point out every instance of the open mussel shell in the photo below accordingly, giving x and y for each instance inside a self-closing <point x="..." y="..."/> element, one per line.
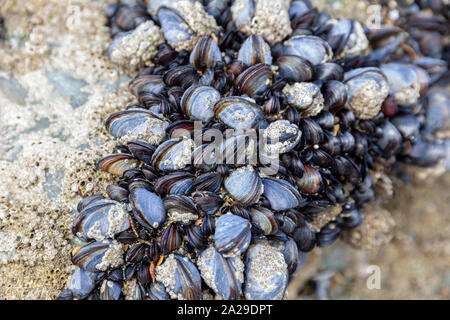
<point x="98" y="256"/>
<point x="224" y="275"/>
<point x="148" y="208"/>
<point x="82" y="282"/>
<point x="232" y="235"/>
<point x="406" y="82"/>
<point x="175" y="29"/>
<point x="264" y="220"/>
<point x="367" y="89"/>
<point x="281" y="194"/>
<point x="254" y="80"/>
<point x="266" y="274"/>
<point x="244" y="185"/>
<point x="312" y="48"/>
<point x="117" y="164"/>
<point x="110" y="290"/>
<point x="238" y="113"/>
<point x="137" y="123"/>
<point x="180" y="277"/>
<point x="294" y="68"/>
<point x="173" y="154"/>
<point x="255" y="50"/>
<point x="102" y="219"/>
<point x="157" y="291"/>
<point x="206" y="54"/>
<point x="198" y="102"/>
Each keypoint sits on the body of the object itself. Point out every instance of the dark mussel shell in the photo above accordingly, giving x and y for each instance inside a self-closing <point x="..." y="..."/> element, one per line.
<point x="254" y="80"/>
<point x="98" y="256"/>
<point x="198" y="102"/>
<point x="117" y="164"/>
<point x="180" y="183"/>
<point x="294" y="69"/>
<point x="244" y="185"/>
<point x="255" y="50"/>
<point x="264" y="219"/>
<point x="311" y="181"/>
<point x="281" y="194"/>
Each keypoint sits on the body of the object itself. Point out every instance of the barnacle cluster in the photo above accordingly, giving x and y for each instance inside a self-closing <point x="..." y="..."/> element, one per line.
<point x="249" y="144"/>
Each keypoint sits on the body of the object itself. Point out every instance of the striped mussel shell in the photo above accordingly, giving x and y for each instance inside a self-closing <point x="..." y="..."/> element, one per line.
<point x="98" y="256"/>
<point x="129" y="17"/>
<point x="266" y="273"/>
<point x="312" y="48"/>
<point x="238" y="150"/>
<point x="198" y="102"/>
<point x="367" y="89"/>
<point x="176" y="30"/>
<point x="204" y="157"/>
<point x="206" y="53"/>
<point x="110" y="290"/>
<point x="101" y="219"/>
<point x="141" y="150"/>
<point x="117" y="164"/>
<point x="157" y="291"/>
<point x="170" y="239"/>
<point x="224" y="275"/>
<point x="255" y="50"/>
<point x="181" y="76"/>
<point x="407" y="83"/>
<point x="139" y="124"/>
<point x="173" y="154"/>
<point x="148" y="208"/>
<point x="238" y="113"/>
<point x="281" y="194"/>
<point x="232" y="235"/>
<point x="196" y="237"/>
<point x="264" y="220"/>
<point x="208" y="181"/>
<point x="334" y="95"/>
<point x="88" y="201"/>
<point x="143" y="86"/>
<point x="244" y="185"/>
<point x="180" y="208"/>
<point x="311" y="181"/>
<point x="208" y="202"/>
<point x="82" y="282"/>
<point x="180" y="277"/>
<point x="254" y="81"/>
<point x="294" y="68"/>
<point x="180" y="183"/>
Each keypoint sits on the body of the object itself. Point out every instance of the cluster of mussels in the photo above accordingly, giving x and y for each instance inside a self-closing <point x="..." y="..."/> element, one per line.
<point x="335" y="101"/>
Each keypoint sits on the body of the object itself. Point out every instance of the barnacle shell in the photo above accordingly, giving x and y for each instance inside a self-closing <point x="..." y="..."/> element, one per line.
<point x="266" y="274"/>
<point x="180" y="277"/>
<point x="281" y="136"/>
<point x="135" y="48"/>
<point x="224" y="275"/>
<point x="184" y="22"/>
<point x="305" y="96"/>
<point x="268" y="18"/>
<point x="367" y="89"/>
